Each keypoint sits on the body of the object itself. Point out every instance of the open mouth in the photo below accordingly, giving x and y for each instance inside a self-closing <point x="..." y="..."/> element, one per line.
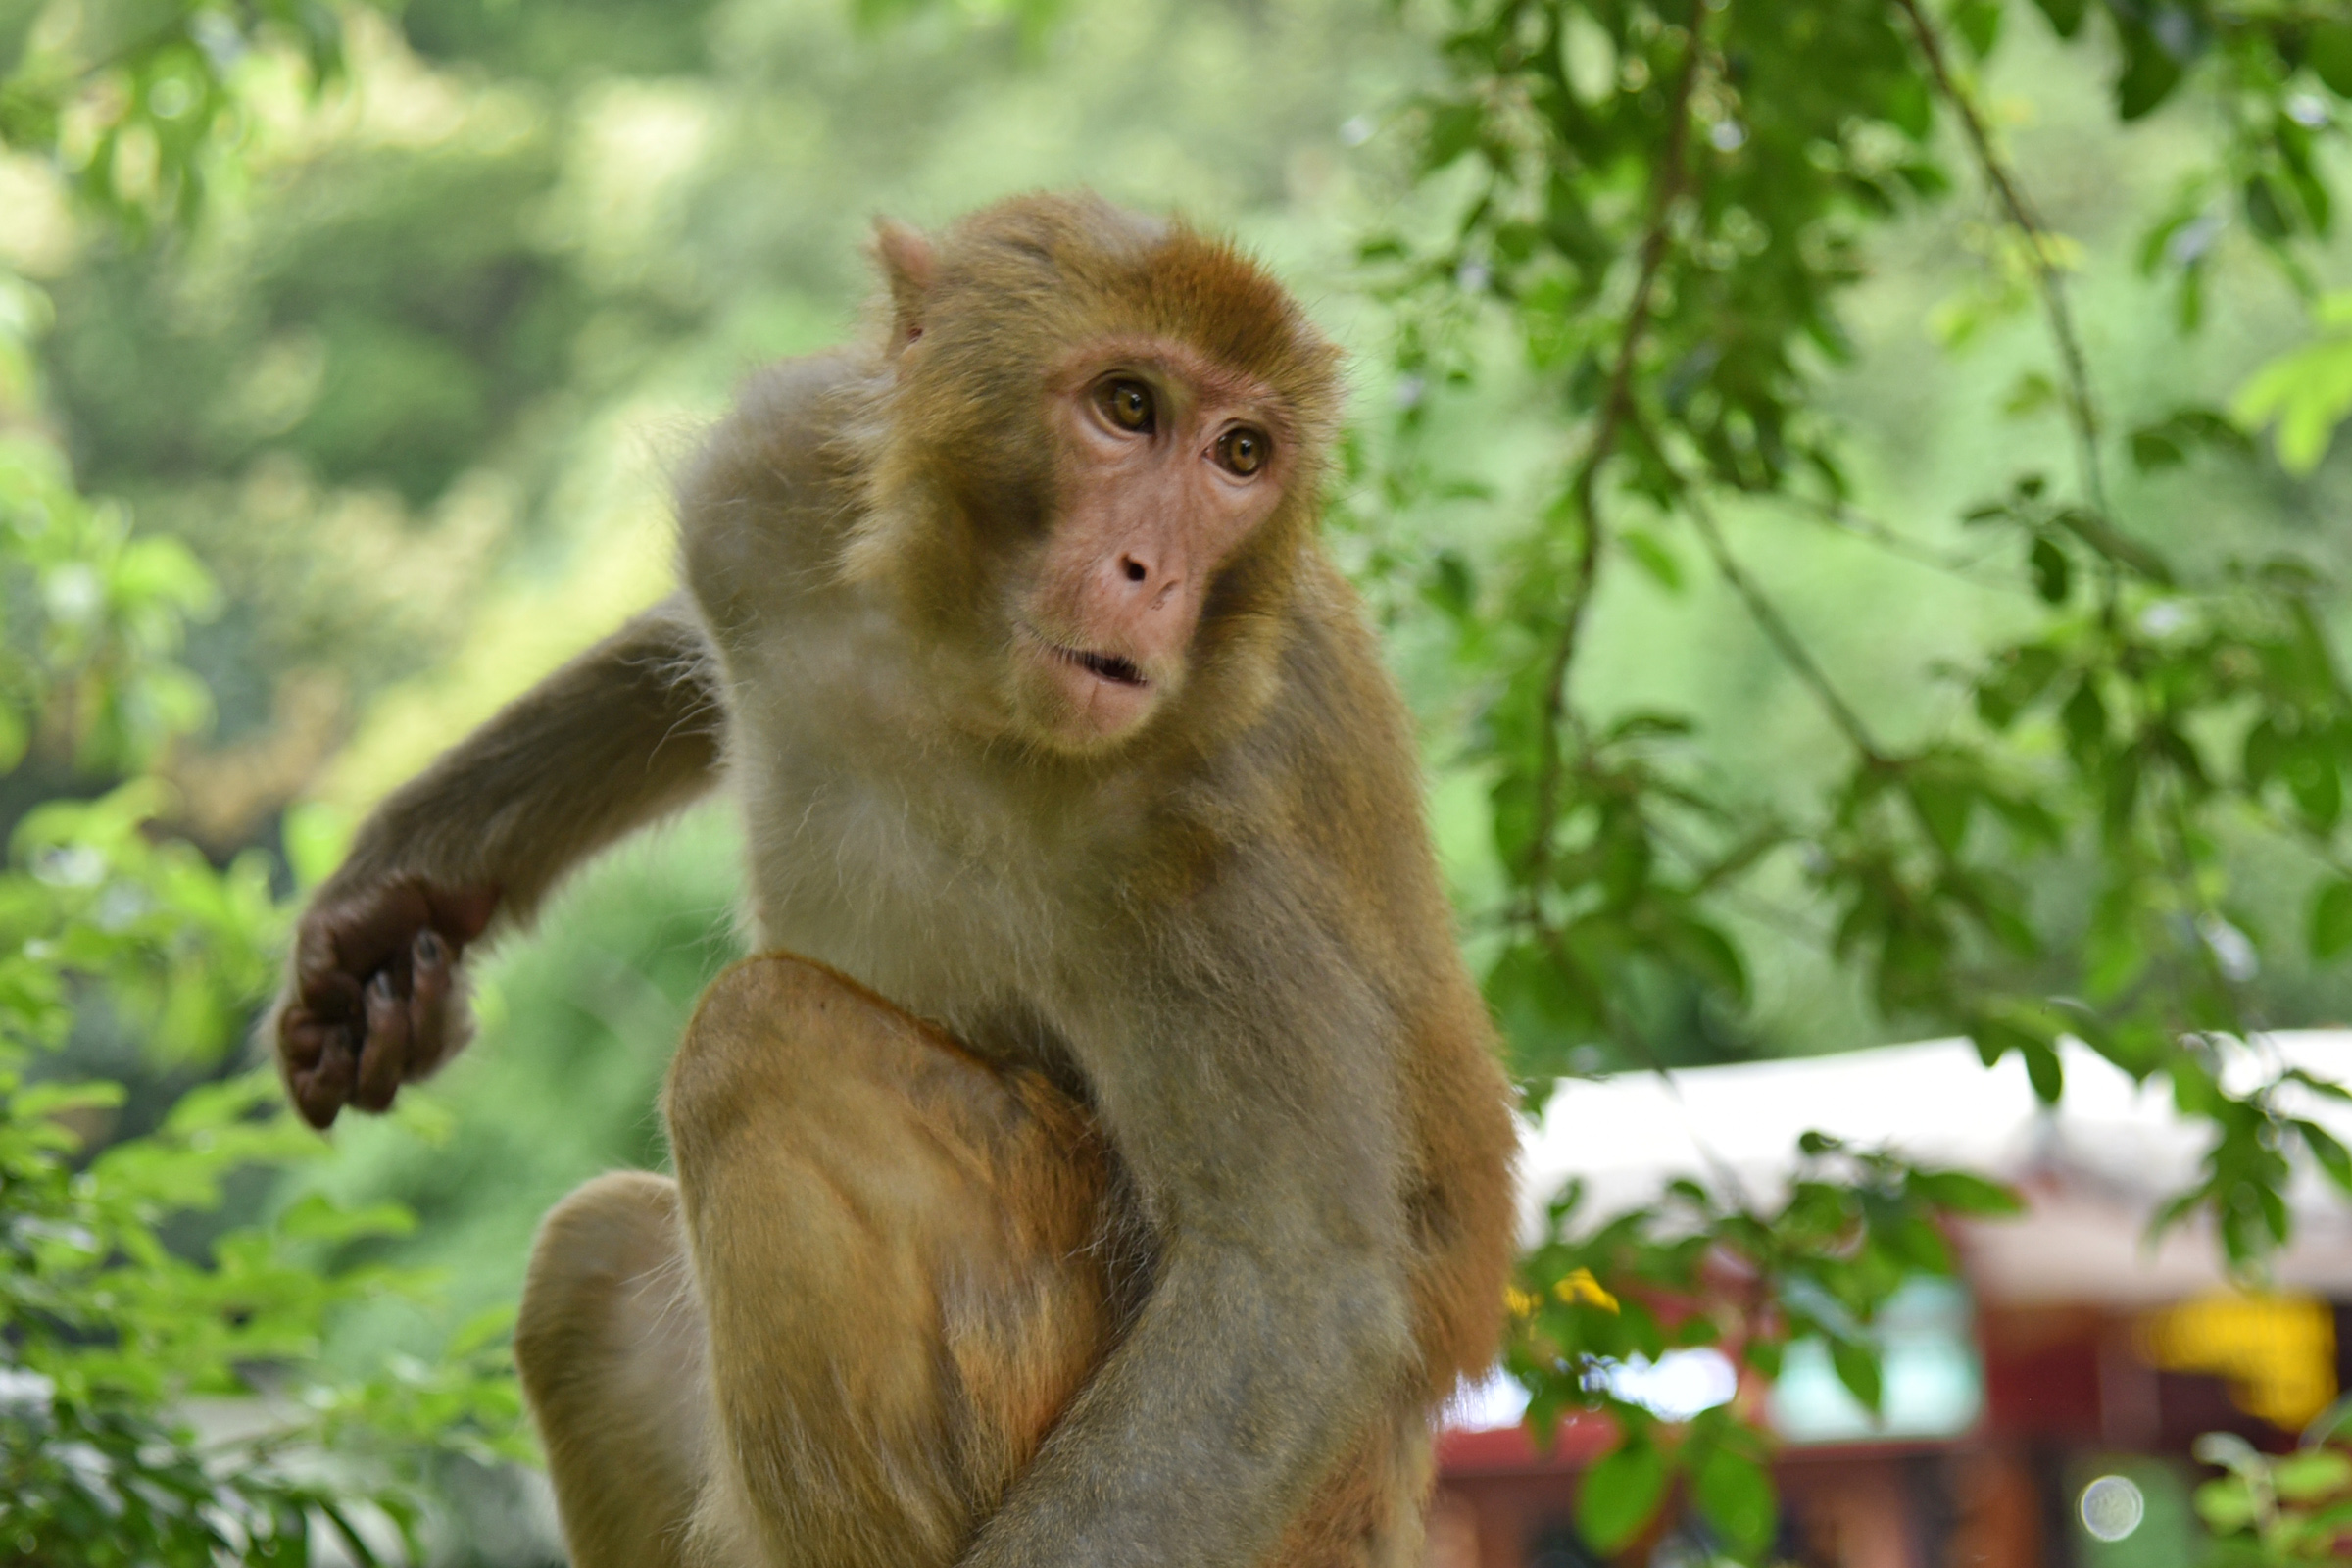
<point x="1103" y="667"/>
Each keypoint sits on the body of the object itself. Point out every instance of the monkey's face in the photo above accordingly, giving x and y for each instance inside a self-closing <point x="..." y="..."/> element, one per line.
<point x="1165" y="464"/>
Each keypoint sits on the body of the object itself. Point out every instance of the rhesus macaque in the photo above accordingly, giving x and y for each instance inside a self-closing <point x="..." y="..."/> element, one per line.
<point x="1120" y="1173"/>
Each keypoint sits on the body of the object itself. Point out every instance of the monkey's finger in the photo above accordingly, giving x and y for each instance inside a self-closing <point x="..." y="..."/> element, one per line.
<point x="322" y="1090"/>
<point x="430" y="1028"/>
<point x="386" y="1054"/>
<point x="320" y="982"/>
<point x="352" y="938"/>
<point x="301" y="1039"/>
<point x="377" y="927"/>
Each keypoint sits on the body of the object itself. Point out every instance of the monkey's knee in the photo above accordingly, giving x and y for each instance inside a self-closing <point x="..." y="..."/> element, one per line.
<point x="607" y="1305"/>
<point x="890" y="1238"/>
<point x="768" y="1037"/>
<point x="618" y="1230"/>
<point x="611" y="1349"/>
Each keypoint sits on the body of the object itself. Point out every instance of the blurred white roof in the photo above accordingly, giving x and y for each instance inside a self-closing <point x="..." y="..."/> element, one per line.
<point x="2094" y="1168"/>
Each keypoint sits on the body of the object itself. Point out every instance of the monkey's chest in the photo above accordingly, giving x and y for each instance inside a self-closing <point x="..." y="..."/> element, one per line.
<point x="930" y="898"/>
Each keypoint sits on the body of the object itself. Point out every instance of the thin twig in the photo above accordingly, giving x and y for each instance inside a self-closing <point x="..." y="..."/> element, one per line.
<point x="1845" y="519"/>
<point x="1672" y="170"/>
<point x="2082" y="410"/>
<point x="1780" y="634"/>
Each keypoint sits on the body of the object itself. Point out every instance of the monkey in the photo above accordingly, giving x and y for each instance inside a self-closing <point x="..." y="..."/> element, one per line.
<point x="1105" y="1160"/>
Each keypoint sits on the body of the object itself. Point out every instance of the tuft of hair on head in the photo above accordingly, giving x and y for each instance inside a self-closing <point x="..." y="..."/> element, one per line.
<point x="1005" y="290"/>
<point x="1145" y="274"/>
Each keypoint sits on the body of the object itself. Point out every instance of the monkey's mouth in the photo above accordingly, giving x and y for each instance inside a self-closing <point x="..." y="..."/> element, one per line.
<point x="1103" y="666"/>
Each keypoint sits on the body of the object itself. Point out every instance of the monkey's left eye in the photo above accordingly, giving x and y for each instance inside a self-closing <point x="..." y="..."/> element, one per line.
<point x="1126" y="402"/>
<point x="1242" y="450"/>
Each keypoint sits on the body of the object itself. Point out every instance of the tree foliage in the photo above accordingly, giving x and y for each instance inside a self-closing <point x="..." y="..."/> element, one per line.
<point x="1668" y="204"/>
<point x="2279" y="1511"/>
<point x="114" y="1315"/>
<point x="1666" y="210"/>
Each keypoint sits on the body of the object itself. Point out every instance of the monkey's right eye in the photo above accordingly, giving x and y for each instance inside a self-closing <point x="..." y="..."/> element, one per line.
<point x="1125" y="403"/>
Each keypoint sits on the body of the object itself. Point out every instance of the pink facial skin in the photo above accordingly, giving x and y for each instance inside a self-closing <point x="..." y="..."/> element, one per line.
<point x="1168" y="464"/>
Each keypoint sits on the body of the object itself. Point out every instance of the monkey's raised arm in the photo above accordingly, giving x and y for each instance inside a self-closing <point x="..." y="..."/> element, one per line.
<point x="627" y="732"/>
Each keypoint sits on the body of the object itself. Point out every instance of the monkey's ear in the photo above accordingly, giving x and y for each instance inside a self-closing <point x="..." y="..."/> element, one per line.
<point x="910" y="267"/>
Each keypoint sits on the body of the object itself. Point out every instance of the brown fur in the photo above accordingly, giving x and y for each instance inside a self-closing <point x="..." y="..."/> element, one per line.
<point x="1150" y="1216"/>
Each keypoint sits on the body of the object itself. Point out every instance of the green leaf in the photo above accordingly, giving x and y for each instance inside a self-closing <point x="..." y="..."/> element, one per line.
<point x="2153" y="448"/>
<point x="38" y="1100"/>
<point x="2034" y="392"/>
<point x="2329" y="1154"/>
<point x="2149" y="74"/>
<point x="2167" y="442"/>
<point x="2265" y="754"/>
<point x="2306" y="392"/>
<point x="2332" y="920"/>
<point x="2066" y="15"/>
<point x="1652" y="555"/>
<point x="316" y="1217"/>
<point x="1620" y="1493"/>
<point x="2052" y="572"/>
<point x="1736" y="1496"/>
<point x="1978" y="23"/>
<point x="1543" y="1013"/>
<point x="2225" y="1505"/>
<point x="1453" y="131"/>
<point x="1962" y="1191"/>
<point x="1857" y="1365"/>
<point x="1943" y="804"/>
<point x="2084" y="718"/>
<point x="2265" y="213"/>
<point x="2044" y="1072"/>
<point x="1451" y="587"/>
<point x="2016" y="678"/>
<point x="2331" y="55"/>
<point x="2311" y="1475"/>
<point x="2313" y="781"/>
<point x="1706" y="948"/>
<point x="2115" y="950"/>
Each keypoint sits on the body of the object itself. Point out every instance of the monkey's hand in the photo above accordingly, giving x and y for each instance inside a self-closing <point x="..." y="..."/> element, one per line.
<point x="375" y="999"/>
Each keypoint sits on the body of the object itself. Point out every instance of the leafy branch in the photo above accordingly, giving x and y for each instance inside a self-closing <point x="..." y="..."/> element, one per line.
<point x="2081" y="408"/>
<point x="1616" y="410"/>
<point x="2091" y="742"/>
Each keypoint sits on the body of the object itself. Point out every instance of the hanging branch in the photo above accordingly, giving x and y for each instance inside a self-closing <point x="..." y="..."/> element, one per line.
<point x="1840" y="519"/>
<point x="1616" y="406"/>
<point x="2049" y="282"/>
<point x="1783" y="637"/>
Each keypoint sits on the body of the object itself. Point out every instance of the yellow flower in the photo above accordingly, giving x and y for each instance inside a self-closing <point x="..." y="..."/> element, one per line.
<point x="1581" y="1286"/>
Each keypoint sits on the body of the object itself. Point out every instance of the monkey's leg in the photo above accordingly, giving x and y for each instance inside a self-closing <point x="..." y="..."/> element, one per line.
<point x="610" y="1348"/>
<point x="897" y="1252"/>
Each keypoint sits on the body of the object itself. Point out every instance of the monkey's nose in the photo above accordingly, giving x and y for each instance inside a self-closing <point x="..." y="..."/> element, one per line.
<point x="1146" y="578"/>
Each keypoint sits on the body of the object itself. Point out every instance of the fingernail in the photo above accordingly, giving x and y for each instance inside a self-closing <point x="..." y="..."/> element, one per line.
<point x="428" y="946"/>
<point x="381" y="985"/>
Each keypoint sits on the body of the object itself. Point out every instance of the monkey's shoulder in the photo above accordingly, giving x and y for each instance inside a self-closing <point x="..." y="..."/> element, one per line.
<point x="1314" y="788"/>
<point x="780" y="478"/>
<point x="1338" y="719"/>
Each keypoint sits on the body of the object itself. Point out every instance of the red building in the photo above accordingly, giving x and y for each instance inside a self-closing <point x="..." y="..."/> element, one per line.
<point x="2054" y="1388"/>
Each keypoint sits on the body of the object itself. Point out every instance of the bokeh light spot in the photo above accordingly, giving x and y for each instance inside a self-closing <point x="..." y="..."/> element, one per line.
<point x="2112" y="1507"/>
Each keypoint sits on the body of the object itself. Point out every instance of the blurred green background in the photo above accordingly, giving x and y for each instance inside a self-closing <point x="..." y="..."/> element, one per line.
<point x="413" y="387"/>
